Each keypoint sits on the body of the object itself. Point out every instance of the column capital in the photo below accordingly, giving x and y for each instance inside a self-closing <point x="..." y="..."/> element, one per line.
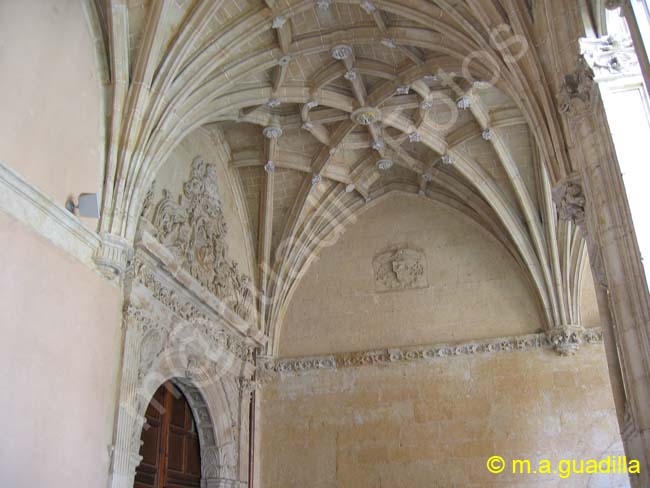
<point x="113" y="255"/>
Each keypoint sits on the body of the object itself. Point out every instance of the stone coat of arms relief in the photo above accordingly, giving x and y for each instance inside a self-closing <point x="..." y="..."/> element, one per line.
<point x="399" y="268"/>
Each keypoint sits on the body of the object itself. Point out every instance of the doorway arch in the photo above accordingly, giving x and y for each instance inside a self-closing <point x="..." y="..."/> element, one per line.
<point x="169" y="443"/>
<point x="158" y="349"/>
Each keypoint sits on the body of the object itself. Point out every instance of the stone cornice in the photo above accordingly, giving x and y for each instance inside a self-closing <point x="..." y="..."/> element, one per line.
<point x="34" y="208"/>
<point x="269" y="367"/>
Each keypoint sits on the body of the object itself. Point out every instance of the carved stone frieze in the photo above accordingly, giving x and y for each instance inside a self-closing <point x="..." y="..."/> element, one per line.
<point x="194" y="230"/>
<point x="269" y="367"/>
<point x="186" y="309"/>
<point x="576" y="91"/>
<point x="399" y="268"/>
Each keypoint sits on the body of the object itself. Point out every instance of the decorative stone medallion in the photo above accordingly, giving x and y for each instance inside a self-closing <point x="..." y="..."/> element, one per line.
<point x="399" y="268"/>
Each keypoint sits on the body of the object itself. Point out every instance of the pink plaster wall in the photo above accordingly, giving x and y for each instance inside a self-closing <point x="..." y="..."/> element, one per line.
<point x="50" y="96"/>
<point x="59" y="358"/>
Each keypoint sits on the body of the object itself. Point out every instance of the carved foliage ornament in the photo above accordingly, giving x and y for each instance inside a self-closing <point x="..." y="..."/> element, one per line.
<point x="207" y="329"/>
<point x="565" y="340"/>
<point x="194" y="230"/>
<point x="399" y="268"/>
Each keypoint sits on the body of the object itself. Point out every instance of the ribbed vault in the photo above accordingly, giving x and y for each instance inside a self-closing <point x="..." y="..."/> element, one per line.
<point x="328" y="105"/>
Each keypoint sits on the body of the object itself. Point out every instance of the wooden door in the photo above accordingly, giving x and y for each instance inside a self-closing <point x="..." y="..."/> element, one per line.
<point x="170" y="444"/>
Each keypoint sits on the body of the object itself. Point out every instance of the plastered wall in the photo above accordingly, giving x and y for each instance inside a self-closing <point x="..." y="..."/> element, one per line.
<point x="475" y="288"/>
<point x="59" y="358"/>
<point x="50" y="94"/>
<point x="434" y="424"/>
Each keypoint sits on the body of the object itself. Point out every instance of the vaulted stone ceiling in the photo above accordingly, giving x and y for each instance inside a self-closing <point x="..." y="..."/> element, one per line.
<point x="328" y="106"/>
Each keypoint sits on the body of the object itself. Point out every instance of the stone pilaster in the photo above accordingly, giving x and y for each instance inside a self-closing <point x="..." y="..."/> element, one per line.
<point x="126" y="456"/>
<point x="607" y="222"/>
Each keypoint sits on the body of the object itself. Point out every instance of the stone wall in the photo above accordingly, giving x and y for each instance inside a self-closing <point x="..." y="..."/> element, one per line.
<point x="425" y="424"/>
<point x="471" y="288"/>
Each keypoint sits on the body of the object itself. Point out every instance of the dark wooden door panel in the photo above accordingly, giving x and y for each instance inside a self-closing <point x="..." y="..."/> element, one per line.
<point x="170" y="443"/>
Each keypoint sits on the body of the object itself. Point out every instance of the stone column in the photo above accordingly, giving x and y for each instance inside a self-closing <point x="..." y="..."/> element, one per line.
<point x="602" y="203"/>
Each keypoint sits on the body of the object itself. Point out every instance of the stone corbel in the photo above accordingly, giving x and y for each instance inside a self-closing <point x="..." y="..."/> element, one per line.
<point x="577" y="89"/>
<point x="570" y="200"/>
<point x="113" y="256"/>
<point x="566" y="339"/>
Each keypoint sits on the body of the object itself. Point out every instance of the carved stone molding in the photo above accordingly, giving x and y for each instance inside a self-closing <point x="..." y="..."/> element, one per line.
<point x="399" y="268"/>
<point x="194" y="230"/>
<point x="577" y="89"/>
<point x="35" y="209"/>
<point x="269" y="367"/>
<point x="570" y="200"/>
<point x="225" y="483"/>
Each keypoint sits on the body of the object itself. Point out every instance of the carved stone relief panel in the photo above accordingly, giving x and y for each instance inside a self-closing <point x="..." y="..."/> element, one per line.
<point x="399" y="268"/>
<point x="193" y="228"/>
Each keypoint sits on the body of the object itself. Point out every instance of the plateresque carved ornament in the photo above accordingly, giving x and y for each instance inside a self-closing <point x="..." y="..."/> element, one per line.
<point x="194" y="230"/>
<point x="399" y="269"/>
